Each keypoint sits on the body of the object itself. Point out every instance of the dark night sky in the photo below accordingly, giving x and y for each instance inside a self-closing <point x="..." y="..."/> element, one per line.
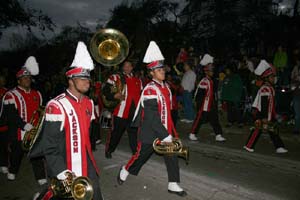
<point x="67" y="12"/>
<point x="88" y="13"/>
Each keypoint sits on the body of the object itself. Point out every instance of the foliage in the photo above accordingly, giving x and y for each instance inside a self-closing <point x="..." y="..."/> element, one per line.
<point x="13" y="13"/>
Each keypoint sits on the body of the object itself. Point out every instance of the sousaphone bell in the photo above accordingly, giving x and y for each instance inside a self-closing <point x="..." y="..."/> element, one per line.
<point x="109" y="47"/>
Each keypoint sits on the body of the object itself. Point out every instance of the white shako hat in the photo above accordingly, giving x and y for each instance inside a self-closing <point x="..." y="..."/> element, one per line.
<point x="153" y="56"/>
<point x="207" y="62"/>
<point x="82" y="63"/>
<point x="264" y="69"/>
<point x="30" y="68"/>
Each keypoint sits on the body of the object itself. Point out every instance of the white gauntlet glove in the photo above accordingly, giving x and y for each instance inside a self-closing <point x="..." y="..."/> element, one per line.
<point x="63" y="175"/>
<point x="168" y="139"/>
<point x="28" y="127"/>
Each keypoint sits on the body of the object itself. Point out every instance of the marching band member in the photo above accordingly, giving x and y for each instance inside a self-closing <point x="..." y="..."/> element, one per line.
<point x="264" y="105"/>
<point x="128" y="94"/>
<point x="208" y="106"/>
<point x="19" y="106"/>
<point x="65" y="139"/>
<point x="153" y="117"/>
<point x="3" y="130"/>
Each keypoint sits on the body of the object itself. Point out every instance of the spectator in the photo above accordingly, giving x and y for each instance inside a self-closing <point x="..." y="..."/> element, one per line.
<point x="231" y="94"/>
<point x="295" y="81"/>
<point x="280" y="62"/>
<point x="188" y="85"/>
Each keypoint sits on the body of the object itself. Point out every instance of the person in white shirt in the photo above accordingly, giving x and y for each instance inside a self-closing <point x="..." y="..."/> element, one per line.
<point x="188" y="85"/>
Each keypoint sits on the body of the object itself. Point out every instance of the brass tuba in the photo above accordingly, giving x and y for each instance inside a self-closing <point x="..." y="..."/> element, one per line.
<point x="78" y="188"/>
<point x="175" y="147"/>
<point x="110" y="47"/>
<point x="36" y="120"/>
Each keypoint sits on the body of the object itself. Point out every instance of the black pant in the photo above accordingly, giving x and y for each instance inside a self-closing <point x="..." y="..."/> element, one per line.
<point x="16" y="156"/>
<point x="3" y="149"/>
<point x="144" y="152"/>
<point x="119" y="125"/>
<point x="233" y="113"/>
<point x="95" y="181"/>
<point x="211" y="117"/>
<point x="255" y="134"/>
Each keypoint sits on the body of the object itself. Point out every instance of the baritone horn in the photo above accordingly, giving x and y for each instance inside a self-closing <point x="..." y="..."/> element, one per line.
<point x="77" y="188"/>
<point x="109" y="47"/>
<point x="173" y="148"/>
<point x="36" y="120"/>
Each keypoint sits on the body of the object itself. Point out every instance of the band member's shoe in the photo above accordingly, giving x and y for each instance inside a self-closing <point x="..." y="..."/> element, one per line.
<point x="108" y="155"/>
<point x="4" y="170"/>
<point x="193" y="137"/>
<point x="98" y="141"/>
<point x="122" y="176"/>
<point x="281" y="150"/>
<point x="11" y="177"/>
<point x="220" y="138"/>
<point x="248" y="149"/>
<point x="174" y="188"/>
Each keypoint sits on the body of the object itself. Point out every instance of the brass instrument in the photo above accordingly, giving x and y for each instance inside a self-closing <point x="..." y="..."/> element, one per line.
<point x="265" y="126"/>
<point x="36" y="120"/>
<point x="78" y="188"/>
<point x="175" y="147"/>
<point x="110" y="47"/>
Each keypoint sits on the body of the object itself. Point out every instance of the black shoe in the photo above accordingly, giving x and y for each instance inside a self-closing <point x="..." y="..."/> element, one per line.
<point x="108" y="155"/>
<point x="120" y="182"/>
<point x="182" y="193"/>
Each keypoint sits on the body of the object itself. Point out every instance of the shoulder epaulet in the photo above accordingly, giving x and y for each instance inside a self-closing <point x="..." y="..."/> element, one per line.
<point x="8" y="98"/>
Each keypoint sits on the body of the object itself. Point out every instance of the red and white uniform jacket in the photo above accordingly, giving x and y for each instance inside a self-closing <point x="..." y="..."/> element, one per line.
<point x="132" y="88"/>
<point x="19" y="106"/>
<point x="205" y="93"/>
<point x="3" y="120"/>
<point x="65" y="139"/>
<point x="264" y="102"/>
<point x="153" y="114"/>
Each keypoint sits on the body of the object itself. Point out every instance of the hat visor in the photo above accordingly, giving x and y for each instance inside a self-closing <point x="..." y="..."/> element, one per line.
<point x="81" y="77"/>
<point x="160" y="65"/>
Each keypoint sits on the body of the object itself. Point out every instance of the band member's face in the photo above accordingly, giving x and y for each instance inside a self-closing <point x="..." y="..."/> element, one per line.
<point x="158" y="74"/>
<point x="209" y="73"/>
<point x="127" y="67"/>
<point x="82" y="84"/>
<point x="25" y="82"/>
<point x="272" y="79"/>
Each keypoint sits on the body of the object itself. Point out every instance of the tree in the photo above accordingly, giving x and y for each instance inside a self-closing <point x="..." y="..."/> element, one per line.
<point x="13" y="13"/>
<point x="145" y="20"/>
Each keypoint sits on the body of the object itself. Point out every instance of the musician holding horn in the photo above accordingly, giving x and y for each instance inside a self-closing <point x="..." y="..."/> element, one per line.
<point x="20" y="104"/>
<point x="153" y="116"/>
<point x="65" y="140"/>
<point x="128" y="95"/>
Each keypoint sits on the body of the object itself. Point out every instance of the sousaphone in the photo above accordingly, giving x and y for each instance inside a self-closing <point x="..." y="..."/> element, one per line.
<point x="109" y="47"/>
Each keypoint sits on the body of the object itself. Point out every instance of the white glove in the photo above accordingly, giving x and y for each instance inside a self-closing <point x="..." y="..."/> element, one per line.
<point x="63" y="175"/>
<point x="168" y="139"/>
<point x="28" y="127"/>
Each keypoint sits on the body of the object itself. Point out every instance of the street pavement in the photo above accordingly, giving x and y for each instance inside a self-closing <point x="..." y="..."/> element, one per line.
<point x="216" y="171"/>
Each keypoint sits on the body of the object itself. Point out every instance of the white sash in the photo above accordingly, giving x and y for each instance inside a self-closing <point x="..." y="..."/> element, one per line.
<point x="75" y="137"/>
<point x="23" y="109"/>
